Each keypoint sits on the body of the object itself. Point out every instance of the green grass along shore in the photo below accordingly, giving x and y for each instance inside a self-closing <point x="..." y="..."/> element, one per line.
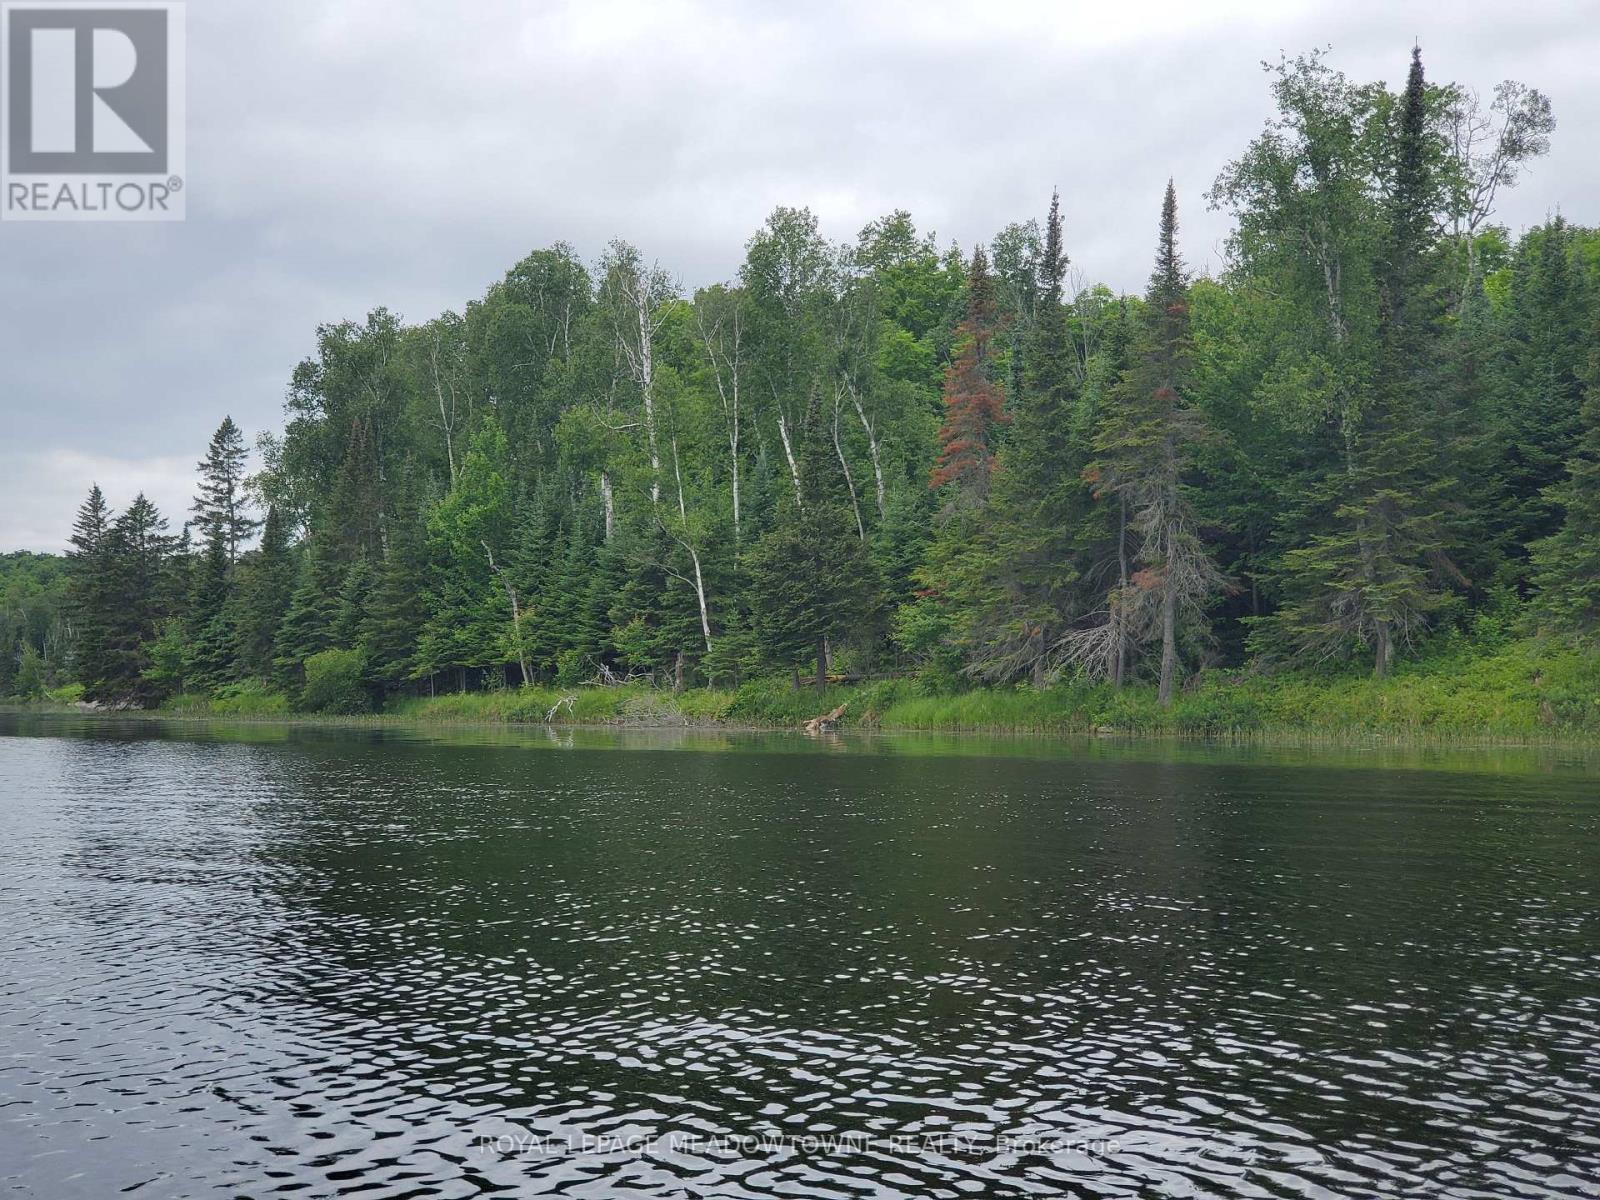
<point x="1520" y="691"/>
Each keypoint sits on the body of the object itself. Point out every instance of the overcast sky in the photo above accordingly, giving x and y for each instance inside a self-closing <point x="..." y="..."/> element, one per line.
<point x="354" y="153"/>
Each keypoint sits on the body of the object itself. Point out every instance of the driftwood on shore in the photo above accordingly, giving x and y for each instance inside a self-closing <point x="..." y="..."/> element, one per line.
<point x="826" y="721"/>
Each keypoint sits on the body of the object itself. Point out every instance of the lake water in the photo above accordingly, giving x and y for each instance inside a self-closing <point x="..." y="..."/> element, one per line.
<point x="280" y="960"/>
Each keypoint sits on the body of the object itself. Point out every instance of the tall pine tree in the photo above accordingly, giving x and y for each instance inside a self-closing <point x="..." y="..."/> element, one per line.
<point x="1371" y="579"/>
<point x="974" y="403"/>
<point x="1146" y="445"/>
<point x="221" y="511"/>
<point x="1567" y="564"/>
<point x="89" y="606"/>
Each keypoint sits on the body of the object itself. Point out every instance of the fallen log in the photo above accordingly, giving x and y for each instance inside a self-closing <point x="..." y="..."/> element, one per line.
<point x="826" y="721"/>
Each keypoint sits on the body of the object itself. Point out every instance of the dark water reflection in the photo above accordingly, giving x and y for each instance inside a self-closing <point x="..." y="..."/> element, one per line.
<point x="286" y="961"/>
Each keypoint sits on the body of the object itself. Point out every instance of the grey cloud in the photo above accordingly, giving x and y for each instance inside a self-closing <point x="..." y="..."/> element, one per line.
<point x="405" y="153"/>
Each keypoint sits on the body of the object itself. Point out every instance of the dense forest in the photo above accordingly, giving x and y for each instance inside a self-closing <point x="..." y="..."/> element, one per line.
<point x="964" y="467"/>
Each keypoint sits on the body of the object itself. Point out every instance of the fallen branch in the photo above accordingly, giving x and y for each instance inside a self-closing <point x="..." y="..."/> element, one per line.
<point x="826" y="721"/>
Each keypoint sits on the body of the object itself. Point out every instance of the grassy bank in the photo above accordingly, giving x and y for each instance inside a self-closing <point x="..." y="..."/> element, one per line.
<point x="1518" y="691"/>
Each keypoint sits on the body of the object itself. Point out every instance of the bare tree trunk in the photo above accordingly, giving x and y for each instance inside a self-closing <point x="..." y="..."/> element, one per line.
<point x="447" y="416"/>
<point x="1385" y="650"/>
<point x="516" y="614"/>
<point x="610" y="503"/>
<point x="643" y="312"/>
<point x="700" y="595"/>
<point x="728" y="393"/>
<point x="822" y="662"/>
<point x="694" y="554"/>
<point x="646" y="373"/>
<point x="1119" y="614"/>
<point x="872" y="449"/>
<point x="844" y="464"/>
<point x="1169" y="621"/>
<point x="733" y="459"/>
<point x="788" y="453"/>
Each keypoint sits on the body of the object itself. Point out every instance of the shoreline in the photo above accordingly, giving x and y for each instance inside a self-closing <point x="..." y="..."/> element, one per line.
<point x="1286" y="737"/>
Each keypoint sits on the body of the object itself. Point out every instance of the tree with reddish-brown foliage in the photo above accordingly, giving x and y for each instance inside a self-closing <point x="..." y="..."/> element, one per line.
<point x="974" y="402"/>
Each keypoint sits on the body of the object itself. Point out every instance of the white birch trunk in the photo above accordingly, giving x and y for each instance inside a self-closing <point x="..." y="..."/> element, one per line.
<point x="872" y="449"/>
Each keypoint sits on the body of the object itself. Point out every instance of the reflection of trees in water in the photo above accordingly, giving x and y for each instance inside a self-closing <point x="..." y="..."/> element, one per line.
<point x="522" y="923"/>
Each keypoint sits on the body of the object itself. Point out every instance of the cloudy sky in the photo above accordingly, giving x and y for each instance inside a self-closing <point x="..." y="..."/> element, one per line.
<point x="362" y="152"/>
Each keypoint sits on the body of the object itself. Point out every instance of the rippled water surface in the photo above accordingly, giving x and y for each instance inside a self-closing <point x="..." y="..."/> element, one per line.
<point x="283" y="961"/>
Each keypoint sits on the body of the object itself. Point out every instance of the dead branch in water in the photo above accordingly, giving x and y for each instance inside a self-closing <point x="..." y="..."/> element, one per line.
<point x="826" y="721"/>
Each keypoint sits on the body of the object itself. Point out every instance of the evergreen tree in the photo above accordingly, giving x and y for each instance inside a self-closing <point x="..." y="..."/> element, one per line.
<point x="210" y="641"/>
<point x="1023" y="573"/>
<point x="392" y="621"/>
<point x="88" y="602"/>
<point x="1548" y="332"/>
<point x="267" y="580"/>
<point x="308" y="622"/>
<point x="1567" y="564"/>
<point x="469" y="542"/>
<point x="220" y="510"/>
<point x="1371" y="578"/>
<point x="1146" y="444"/>
<point x="355" y="602"/>
<point x="811" y="580"/>
<point x="973" y="400"/>
<point x="137" y="549"/>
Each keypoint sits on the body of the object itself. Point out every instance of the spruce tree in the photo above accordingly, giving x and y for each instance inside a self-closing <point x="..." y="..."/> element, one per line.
<point x="1567" y="564"/>
<point x="307" y="626"/>
<point x="392" y="621"/>
<point x="1372" y="577"/>
<point x="1022" y="573"/>
<point x="220" y="510"/>
<point x="267" y="580"/>
<point x="88" y="605"/>
<point x="209" y="659"/>
<point x="1542" y="379"/>
<point x="355" y="603"/>
<point x="812" y="582"/>
<point x="973" y="399"/>
<point x="137" y="549"/>
<point x="1146" y="447"/>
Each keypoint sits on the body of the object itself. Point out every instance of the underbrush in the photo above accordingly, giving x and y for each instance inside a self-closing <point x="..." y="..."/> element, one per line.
<point x="1524" y="689"/>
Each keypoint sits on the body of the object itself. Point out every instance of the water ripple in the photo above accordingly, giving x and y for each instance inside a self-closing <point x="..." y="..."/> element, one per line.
<point x="391" y="968"/>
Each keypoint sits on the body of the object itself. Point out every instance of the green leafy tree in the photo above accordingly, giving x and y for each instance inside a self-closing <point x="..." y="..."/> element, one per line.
<point x="1370" y="579"/>
<point x="469" y="537"/>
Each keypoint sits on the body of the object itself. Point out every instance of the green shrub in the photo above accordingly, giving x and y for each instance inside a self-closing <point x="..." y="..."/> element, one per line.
<point x="32" y="675"/>
<point x="705" y="705"/>
<point x="334" y="683"/>
<point x="250" y="699"/>
<point x="572" y="668"/>
<point x="776" y="701"/>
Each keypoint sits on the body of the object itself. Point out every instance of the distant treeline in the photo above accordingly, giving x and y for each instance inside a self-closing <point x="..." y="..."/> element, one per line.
<point x="884" y="457"/>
